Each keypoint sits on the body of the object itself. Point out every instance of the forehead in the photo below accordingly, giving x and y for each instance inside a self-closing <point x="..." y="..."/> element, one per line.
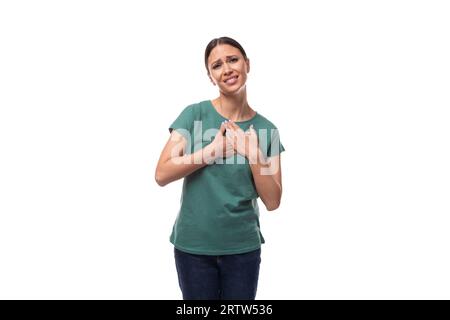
<point x="222" y="51"/>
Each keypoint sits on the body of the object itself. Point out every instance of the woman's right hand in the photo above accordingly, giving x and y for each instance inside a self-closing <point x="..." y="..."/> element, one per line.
<point x="219" y="147"/>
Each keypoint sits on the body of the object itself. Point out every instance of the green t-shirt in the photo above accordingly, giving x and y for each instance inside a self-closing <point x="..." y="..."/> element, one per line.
<point x="219" y="212"/>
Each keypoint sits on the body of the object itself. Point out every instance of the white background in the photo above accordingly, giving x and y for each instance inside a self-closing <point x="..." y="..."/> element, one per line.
<point x="358" y="89"/>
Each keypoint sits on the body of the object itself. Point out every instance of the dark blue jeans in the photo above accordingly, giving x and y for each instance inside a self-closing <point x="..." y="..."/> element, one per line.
<point x="225" y="277"/>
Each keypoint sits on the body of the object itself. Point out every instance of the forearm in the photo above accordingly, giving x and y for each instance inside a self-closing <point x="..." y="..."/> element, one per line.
<point x="269" y="190"/>
<point x="181" y="166"/>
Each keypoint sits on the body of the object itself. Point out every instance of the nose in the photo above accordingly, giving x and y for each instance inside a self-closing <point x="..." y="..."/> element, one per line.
<point x="226" y="69"/>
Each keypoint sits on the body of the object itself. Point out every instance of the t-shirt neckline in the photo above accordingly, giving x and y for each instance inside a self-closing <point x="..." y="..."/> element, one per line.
<point x="221" y="116"/>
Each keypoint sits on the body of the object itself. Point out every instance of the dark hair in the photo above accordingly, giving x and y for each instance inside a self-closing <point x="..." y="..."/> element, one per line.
<point x="222" y="40"/>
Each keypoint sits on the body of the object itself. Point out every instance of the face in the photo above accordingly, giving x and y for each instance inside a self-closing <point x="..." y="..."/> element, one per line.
<point x="228" y="68"/>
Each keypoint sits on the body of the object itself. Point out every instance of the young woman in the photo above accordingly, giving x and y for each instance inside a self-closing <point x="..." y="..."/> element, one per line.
<point x="229" y="155"/>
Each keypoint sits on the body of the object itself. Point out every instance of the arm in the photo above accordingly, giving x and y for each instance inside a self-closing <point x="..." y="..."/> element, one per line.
<point x="266" y="172"/>
<point x="174" y="164"/>
<point x="267" y="177"/>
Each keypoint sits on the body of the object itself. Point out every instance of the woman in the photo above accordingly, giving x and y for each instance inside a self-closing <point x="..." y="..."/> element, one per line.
<point x="216" y="235"/>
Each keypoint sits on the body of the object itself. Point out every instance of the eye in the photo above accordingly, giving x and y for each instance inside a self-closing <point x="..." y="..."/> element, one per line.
<point x="216" y="66"/>
<point x="234" y="59"/>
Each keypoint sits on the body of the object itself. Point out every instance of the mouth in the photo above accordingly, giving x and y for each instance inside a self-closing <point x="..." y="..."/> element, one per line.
<point x="231" y="80"/>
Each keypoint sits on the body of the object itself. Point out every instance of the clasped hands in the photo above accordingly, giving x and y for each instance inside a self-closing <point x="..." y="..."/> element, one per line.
<point x="234" y="141"/>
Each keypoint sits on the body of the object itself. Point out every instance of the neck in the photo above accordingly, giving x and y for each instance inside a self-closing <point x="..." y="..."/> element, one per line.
<point x="234" y="107"/>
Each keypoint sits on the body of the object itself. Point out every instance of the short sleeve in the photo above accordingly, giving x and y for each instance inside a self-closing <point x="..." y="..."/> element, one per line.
<point x="183" y="123"/>
<point x="275" y="146"/>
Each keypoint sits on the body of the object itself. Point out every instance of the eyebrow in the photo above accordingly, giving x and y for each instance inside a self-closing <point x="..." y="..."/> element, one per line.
<point x="227" y="58"/>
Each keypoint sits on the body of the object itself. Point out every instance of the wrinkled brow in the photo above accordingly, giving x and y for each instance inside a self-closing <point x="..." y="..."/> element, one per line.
<point x="227" y="58"/>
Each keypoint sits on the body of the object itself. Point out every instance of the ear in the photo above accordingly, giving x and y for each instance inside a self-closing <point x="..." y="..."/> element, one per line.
<point x="248" y="65"/>
<point x="210" y="78"/>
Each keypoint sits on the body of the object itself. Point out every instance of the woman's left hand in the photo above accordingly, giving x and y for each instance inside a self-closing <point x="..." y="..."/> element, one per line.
<point x="245" y="143"/>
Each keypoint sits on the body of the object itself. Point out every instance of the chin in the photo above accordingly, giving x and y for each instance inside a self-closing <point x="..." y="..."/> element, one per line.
<point x="234" y="90"/>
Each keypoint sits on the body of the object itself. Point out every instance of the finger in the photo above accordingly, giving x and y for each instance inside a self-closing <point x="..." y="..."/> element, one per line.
<point x="230" y="143"/>
<point x="222" y="128"/>
<point x="234" y="125"/>
<point x="251" y="130"/>
<point x="229" y="134"/>
<point x="231" y="131"/>
<point x="230" y="126"/>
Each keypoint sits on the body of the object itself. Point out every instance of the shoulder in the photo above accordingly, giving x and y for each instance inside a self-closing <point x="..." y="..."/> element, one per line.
<point x="268" y="137"/>
<point x="197" y="107"/>
<point x="192" y="111"/>
<point x="262" y="122"/>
